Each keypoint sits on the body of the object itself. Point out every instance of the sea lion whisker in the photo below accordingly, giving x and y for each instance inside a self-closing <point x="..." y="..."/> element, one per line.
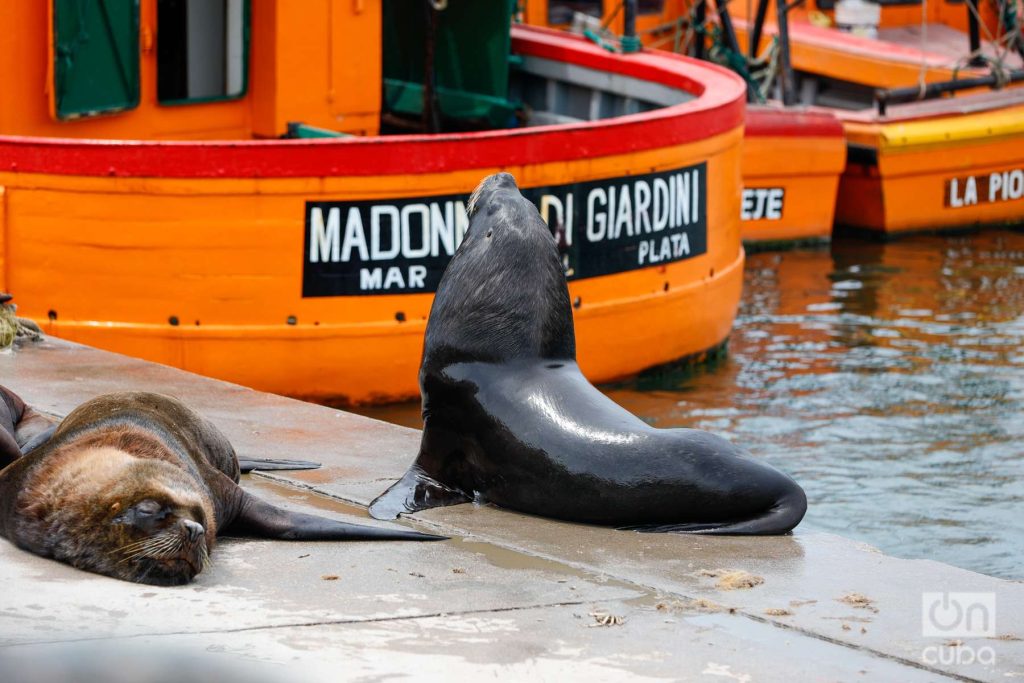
<point x="137" y="546"/>
<point x="152" y="546"/>
<point x="204" y="557"/>
<point x="141" y="541"/>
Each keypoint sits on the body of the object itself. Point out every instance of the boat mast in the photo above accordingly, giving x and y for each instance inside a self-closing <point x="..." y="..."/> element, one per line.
<point x="786" y="79"/>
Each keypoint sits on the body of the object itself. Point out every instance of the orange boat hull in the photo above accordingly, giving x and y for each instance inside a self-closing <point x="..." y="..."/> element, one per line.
<point x="951" y="171"/>
<point x="791" y="166"/>
<point x="193" y="254"/>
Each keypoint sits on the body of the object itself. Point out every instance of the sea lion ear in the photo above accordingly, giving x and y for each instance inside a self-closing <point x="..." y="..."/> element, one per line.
<point x="415" y="491"/>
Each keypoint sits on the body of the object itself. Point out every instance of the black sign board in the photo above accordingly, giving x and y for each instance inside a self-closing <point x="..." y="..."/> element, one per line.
<point x="605" y="226"/>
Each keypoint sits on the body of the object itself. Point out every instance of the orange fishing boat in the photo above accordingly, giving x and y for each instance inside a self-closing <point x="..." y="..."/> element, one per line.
<point x="918" y="157"/>
<point x="791" y="160"/>
<point x="220" y="187"/>
<point x="930" y="146"/>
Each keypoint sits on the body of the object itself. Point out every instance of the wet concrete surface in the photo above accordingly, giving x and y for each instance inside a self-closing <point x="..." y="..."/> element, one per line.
<point x="507" y="595"/>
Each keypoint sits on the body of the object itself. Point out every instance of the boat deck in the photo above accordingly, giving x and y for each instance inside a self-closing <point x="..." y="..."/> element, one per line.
<point x="939" y="39"/>
<point x="943" y="106"/>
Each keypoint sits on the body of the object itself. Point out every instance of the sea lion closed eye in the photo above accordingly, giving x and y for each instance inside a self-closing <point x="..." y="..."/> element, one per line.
<point x="137" y="486"/>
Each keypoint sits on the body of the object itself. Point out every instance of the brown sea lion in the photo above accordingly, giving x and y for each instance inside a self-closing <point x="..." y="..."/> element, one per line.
<point x="137" y="486"/>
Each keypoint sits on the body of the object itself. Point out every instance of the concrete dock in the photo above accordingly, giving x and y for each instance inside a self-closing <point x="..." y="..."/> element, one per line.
<point x="509" y="596"/>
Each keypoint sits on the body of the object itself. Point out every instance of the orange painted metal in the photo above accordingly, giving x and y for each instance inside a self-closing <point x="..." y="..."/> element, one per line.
<point x="115" y="262"/>
<point x="906" y="187"/>
<point x="924" y="172"/>
<point x="309" y="66"/>
<point x="191" y="253"/>
<point x="792" y="160"/>
<point x="825" y="51"/>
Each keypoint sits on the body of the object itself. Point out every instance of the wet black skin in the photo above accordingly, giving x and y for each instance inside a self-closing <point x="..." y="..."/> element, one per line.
<point x="157" y="522"/>
<point x="509" y="418"/>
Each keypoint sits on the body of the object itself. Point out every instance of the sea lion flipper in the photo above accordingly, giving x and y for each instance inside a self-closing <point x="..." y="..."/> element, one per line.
<point x="38" y="439"/>
<point x="246" y="465"/>
<point x="256" y="517"/>
<point x="780" y="518"/>
<point x="24" y="428"/>
<point x="415" y="491"/>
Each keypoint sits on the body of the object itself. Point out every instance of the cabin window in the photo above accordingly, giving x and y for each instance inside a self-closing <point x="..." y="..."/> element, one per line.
<point x="202" y="50"/>
<point x="561" y="11"/>
<point x="96" y="57"/>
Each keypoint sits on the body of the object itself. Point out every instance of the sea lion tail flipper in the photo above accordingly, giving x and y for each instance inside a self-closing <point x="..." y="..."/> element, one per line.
<point x="415" y="491"/>
<point x="259" y="518"/>
<point x="246" y="465"/>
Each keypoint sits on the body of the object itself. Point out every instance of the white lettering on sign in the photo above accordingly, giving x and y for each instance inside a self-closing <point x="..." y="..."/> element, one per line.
<point x="603" y="226"/>
<point x="643" y="207"/>
<point x="762" y="203"/>
<point x="414" y="231"/>
<point x="999" y="186"/>
<point x="667" y="248"/>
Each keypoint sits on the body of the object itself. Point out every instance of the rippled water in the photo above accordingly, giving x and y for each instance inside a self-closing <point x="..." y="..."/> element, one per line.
<point x="888" y="379"/>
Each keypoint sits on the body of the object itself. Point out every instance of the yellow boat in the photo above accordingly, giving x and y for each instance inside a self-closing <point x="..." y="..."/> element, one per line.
<point x="281" y="218"/>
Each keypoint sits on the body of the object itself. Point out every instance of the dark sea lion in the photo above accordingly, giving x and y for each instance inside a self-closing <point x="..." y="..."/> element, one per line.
<point x="509" y="418"/>
<point x="137" y="486"/>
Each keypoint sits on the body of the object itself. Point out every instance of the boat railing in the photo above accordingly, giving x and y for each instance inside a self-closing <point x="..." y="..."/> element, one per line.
<point x="929" y="91"/>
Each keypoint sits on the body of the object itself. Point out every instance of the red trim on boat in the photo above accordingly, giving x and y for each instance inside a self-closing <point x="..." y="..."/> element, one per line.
<point x="718" y="107"/>
<point x="771" y="122"/>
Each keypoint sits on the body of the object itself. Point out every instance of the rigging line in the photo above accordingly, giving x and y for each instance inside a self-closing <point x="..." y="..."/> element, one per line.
<point x="1000" y="56"/>
<point x="924" y="41"/>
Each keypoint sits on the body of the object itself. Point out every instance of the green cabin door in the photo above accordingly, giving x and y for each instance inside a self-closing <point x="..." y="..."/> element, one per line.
<point x="96" y="56"/>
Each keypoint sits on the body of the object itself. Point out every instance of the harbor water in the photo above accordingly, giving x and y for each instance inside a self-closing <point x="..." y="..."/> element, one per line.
<point x="887" y="378"/>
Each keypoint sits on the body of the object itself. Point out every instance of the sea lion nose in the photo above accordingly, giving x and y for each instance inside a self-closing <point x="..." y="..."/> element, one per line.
<point x="194" y="530"/>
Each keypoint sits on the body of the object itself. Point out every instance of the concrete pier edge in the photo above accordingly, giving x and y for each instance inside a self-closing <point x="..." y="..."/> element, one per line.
<point x="508" y="595"/>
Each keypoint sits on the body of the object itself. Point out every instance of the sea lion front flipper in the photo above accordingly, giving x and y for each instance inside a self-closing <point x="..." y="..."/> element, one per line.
<point x="37" y="440"/>
<point x="246" y="465"/>
<point x="22" y="427"/>
<point x="415" y="491"/>
<point x="256" y="517"/>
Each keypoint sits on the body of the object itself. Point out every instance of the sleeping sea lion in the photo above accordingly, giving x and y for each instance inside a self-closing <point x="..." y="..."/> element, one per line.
<point x="509" y="419"/>
<point x="137" y="486"/>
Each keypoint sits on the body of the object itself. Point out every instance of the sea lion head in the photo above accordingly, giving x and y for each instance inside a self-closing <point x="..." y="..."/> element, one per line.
<point x="108" y="511"/>
<point x="503" y="295"/>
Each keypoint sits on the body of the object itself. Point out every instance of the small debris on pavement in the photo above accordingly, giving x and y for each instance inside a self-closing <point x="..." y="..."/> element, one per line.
<point x="606" y="619"/>
<point x="859" y="601"/>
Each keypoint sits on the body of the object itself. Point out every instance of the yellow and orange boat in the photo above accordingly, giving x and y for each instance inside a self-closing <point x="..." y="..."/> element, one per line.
<point x="915" y="162"/>
<point x="920" y="158"/>
<point x="154" y="202"/>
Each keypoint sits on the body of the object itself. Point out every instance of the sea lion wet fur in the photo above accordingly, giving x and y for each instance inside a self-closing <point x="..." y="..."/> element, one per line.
<point x="509" y="418"/>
